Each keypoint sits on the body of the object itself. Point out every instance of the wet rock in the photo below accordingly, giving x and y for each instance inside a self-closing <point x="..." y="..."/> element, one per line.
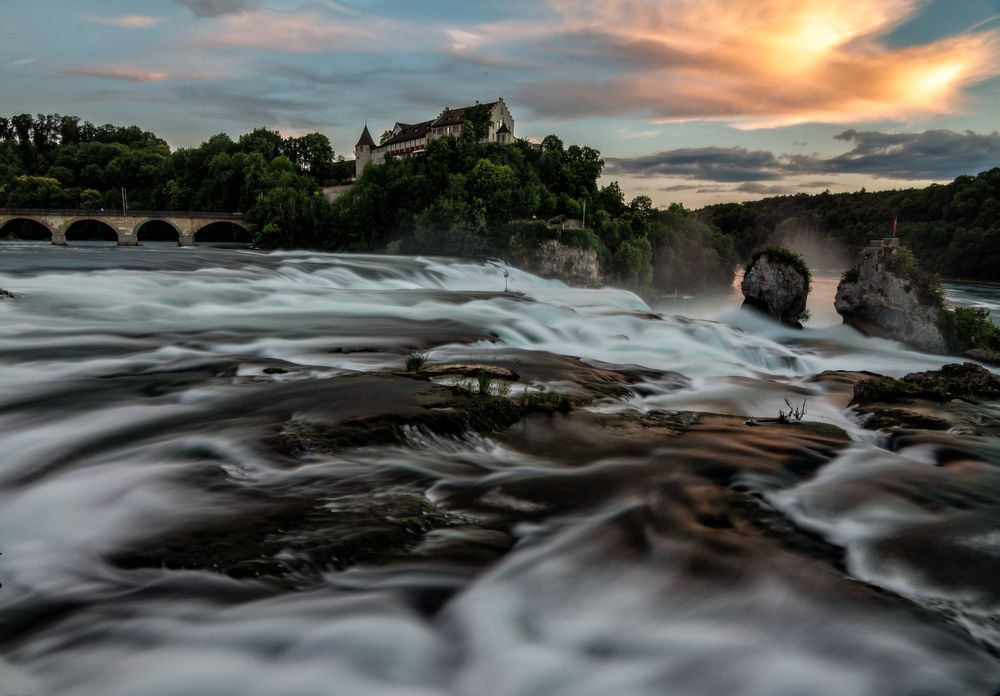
<point x="469" y="370"/>
<point x="966" y="381"/>
<point x="945" y="399"/>
<point x="6" y="295"/>
<point x="888" y="296"/>
<point x="901" y="418"/>
<point x="573" y="265"/>
<point x="291" y="538"/>
<point x="777" y="282"/>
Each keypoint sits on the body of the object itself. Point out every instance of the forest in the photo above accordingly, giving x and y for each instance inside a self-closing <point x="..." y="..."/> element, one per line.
<point x="953" y="229"/>
<point x="464" y="197"/>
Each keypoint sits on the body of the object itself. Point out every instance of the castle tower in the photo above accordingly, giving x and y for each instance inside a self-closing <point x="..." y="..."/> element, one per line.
<point x="363" y="151"/>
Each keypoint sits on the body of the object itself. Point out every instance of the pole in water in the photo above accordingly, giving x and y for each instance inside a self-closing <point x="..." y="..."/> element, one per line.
<point x="506" y="275"/>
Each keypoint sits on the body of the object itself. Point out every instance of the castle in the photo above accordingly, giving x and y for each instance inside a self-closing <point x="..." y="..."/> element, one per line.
<point x="405" y="138"/>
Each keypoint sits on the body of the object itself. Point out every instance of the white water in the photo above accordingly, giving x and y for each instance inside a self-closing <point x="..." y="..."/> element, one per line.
<point x="101" y="450"/>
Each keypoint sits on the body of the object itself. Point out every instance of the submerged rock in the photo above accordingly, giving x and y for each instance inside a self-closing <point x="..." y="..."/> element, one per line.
<point x="887" y="295"/>
<point x="943" y="399"/>
<point x="777" y="282"/>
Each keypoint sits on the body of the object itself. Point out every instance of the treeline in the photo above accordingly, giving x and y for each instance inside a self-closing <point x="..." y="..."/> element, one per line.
<point x="461" y="198"/>
<point x="953" y="229"/>
<point x="52" y="161"/>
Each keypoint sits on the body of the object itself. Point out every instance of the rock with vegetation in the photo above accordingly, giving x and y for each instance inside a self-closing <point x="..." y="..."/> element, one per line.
<point x="947" y="399"/>
<point x="777" y="282"/>
<point x="888" y="295"/>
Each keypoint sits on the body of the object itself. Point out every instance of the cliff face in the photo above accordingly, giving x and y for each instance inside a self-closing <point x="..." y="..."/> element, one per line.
<point x="572" y="265"/>
<point x="777" y="288"/>
<point x="877" y="301"/>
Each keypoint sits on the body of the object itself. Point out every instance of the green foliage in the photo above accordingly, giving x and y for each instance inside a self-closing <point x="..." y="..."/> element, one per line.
<point x="416" y="361"/>
<point x="969" y="328"/>
<point x="52" y="161"/>
<point x="902" y="263"/>
<point x="633" y="263"/>
<point x="785" y="256"/>
<point x="953" y="230"/>
<point x="546" y="401"/>
<point x="485" y="381"/>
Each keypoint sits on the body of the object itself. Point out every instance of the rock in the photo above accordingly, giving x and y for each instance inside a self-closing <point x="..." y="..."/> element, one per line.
<point x="777" y="282"/>
<point x="572" y="265"/>
<point x="5" y="295"/>
<point x="967" y="381"/>
<point x="887" y="296"/>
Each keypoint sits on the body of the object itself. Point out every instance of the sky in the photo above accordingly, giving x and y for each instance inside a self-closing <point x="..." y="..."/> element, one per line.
<point x="690" y="101"/>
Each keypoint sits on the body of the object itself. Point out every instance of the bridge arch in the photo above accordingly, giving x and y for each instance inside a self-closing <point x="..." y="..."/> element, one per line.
<point x="8" y="226"/>
<point x="89" y="229"/>
<point x="222" y="232"/>
<point x="157" y="229"/>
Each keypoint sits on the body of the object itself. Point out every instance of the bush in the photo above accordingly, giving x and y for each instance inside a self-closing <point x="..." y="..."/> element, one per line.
<point x="968" y="328"/>
<point x="927" y="285"/>
<point x="784" y="256"/>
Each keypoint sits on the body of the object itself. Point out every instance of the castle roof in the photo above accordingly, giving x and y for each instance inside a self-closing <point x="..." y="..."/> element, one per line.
<point x="454" y="117"/>
<point x="408" y="132"/>
<point x="366" y="138"/>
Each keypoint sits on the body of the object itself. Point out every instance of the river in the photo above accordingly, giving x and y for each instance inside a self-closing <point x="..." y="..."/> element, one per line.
<point x="217" y="479"/>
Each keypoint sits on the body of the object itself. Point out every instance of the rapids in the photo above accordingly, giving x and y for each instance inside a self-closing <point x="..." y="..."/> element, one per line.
<point x="156" y="540"/>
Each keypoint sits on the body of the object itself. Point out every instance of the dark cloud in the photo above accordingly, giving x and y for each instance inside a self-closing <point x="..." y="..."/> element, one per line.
<point x="931" y="155"/>
<point x="936" y="154"/>
<point x="733" y="164"/>
<point x="214" y="8"/>
<point x="759" y="189"/>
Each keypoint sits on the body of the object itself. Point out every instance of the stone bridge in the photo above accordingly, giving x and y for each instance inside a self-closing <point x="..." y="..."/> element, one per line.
<point x="126" y="225"/>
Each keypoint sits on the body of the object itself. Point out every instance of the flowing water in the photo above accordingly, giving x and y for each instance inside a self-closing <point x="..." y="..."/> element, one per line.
<point x="170" y="526"/>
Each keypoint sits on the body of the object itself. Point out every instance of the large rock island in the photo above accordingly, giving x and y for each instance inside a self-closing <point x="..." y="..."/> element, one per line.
<point x="777" y="282"/>
<point x="888" y="295"/>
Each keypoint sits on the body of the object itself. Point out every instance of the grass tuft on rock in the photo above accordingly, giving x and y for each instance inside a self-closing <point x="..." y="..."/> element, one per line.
<point x="416" y="361"/>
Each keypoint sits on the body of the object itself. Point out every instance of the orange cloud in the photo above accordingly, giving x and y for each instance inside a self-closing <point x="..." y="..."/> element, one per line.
<point x="765" y="63"/>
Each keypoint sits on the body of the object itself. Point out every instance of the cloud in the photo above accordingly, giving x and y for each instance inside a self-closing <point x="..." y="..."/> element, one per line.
<point x="733" y="164"/>
<point x="759" y="189"/>
<point x="134" y="74"/>
<point x="753" y="64"/>
<point x="126" y="22"/>
<point x="25" y="61"/>
<point x="301" y="31"/>
<point x="932" y="155"/>
<point x="214" y="8"/>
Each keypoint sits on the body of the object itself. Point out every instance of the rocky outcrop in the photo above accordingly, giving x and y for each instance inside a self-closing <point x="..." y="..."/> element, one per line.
<point x="5" y="295"/>
<point x="572" y="265"/>
<point x="777" y="282"/>
<point x="887" y="296"/>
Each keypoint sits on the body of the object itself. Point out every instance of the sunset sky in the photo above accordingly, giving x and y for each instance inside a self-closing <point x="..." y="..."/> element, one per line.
<point x="697" y="101"/>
